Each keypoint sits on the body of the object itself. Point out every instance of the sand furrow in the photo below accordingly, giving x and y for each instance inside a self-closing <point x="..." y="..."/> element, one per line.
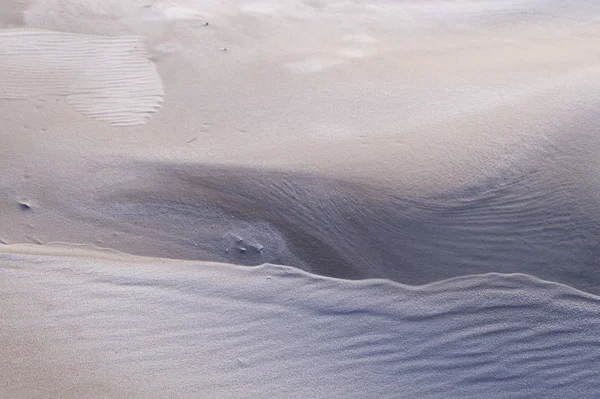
<point x="105" y="78"/>
<point x="188" y="329"/>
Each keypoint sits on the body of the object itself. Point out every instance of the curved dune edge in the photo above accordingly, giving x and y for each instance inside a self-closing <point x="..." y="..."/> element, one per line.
<point x="327" y="226"/>
<point x="83" y="327"/>
<point x="91" y="252"/>
<point x="109" y="79"/>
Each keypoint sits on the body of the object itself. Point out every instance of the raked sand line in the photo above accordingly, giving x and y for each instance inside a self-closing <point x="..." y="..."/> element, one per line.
<point x="109" y="79"/>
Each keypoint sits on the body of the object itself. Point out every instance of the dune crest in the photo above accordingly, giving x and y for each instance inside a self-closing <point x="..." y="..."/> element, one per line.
<point x="150" y="328"/>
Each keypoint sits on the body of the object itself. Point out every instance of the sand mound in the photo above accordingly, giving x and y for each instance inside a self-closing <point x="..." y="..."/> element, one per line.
<point x="156" y="329"/>
<point x="408" y="140"/>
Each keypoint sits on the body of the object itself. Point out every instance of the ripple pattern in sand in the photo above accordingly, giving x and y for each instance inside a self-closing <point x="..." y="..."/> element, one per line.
<point x="109" y="79"/>
<point x="208" y="330"/>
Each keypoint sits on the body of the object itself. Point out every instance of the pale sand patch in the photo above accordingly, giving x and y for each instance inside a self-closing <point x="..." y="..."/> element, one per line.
<point x="260" y="8"/>
<point x="314" y="64"/>
<point x="359" y="38"/>
<point x="11" y="13"/>
<point x="454" y="93"/>
<point x="167" y="47"/>
<point x="182" y="13"/>
<point x="353" y="53"/>
<point x="109" y="79"/>
<point x="425" y="92"/>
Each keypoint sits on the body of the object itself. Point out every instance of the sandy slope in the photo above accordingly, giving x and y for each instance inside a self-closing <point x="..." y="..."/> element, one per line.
<point x="429" y="96"/>
<point x="439" y="112"/>
<point x="164" y="329"/>
<point x="408" y="140"/>
<point x="327" y="226"/>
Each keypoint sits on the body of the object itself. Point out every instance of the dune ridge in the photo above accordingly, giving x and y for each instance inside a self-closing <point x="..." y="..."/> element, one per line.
<point x="191" y="329"/>
<point x="334" y="227"/>
<point x="413" y="183"/>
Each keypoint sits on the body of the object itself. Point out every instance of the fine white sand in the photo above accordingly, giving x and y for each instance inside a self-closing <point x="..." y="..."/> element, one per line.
<point x="106" y="78"/>
<point x="443" y="93"/>
<point x="77" y="327"/>
<point x="413" y="141"/>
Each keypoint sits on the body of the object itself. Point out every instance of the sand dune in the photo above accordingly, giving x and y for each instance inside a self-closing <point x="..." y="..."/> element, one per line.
<point x="450" y="93"/>
<point x="157" y="329"/>
<point x="447" y="143"/>
<point x="327" y="226"/>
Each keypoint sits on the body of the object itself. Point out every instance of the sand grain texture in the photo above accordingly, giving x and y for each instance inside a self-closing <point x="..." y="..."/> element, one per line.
<point x="416" y="167"/>
<point x="109" y="79"/>
<point x="169" y="329"/>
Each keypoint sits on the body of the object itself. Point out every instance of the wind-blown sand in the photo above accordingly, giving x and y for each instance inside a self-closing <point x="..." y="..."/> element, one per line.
<point x="170" y="329"/>
<point x="105" y="78"/>
<point x="448" y="149"/>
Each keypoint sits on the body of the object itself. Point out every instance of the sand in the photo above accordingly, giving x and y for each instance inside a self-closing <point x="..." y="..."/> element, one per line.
<point x="425" y="174"/>
<point x="163" y="329"/>
<point x="104" y="78"/>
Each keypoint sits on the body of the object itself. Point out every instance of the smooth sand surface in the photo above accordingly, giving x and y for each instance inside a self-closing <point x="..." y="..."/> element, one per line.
<point x="417" y="142"/>
<point x="427" y="97"/>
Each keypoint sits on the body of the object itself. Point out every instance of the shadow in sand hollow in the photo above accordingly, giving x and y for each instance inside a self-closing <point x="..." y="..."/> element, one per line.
<point x="350" y="230"/>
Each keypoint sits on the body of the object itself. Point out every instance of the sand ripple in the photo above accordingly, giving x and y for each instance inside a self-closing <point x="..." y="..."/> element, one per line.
<point x="109" y="79"/>
<point x="172" y="329"/>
